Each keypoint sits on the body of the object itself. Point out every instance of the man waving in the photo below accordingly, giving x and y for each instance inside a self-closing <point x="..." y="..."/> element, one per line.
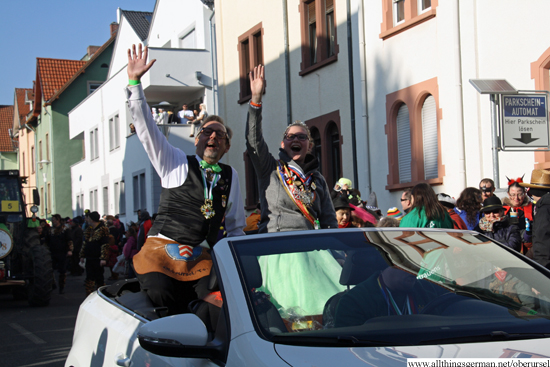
<point x="199" y="195"/>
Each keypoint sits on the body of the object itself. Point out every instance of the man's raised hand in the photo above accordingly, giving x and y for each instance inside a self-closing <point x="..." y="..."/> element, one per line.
<point x="137" y="62"/>
<point x="257" y="83"/>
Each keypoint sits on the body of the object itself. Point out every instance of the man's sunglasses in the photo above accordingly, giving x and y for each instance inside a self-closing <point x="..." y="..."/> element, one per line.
<point x="209" y="131"/>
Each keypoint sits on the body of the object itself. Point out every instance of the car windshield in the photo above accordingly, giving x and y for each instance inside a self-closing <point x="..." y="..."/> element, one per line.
<point x="390" y="287"/>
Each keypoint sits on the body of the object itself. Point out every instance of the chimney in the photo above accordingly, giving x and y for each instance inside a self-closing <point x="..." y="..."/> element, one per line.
<point x="92" y="50"/>
<point x="114" y="28"/>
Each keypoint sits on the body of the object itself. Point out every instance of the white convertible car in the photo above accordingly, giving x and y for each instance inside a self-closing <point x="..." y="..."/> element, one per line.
<point x="348" y="297"/>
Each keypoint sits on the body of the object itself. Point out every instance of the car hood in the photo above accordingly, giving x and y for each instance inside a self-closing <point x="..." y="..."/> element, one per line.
<point x="397" y="356"/>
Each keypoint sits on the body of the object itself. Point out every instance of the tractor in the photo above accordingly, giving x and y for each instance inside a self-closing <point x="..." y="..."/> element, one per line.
<point x="25" y="263"/>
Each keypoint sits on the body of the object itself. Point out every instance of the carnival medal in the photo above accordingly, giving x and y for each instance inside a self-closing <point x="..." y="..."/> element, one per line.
<point x="207" y="209"/>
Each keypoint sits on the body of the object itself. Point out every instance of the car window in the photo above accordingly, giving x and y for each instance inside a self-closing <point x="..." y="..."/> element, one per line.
<point x="389" y="286"/>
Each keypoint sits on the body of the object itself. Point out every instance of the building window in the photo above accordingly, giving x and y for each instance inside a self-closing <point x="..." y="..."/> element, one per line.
<point x="139" y="192"/>
<point x="400" y="15"/>
<point x="318" y="28"/>
<point x="78" y="205"/>
<point x="404" y="143"/>
<point x="32" y="160"/>
<point x="50" y="198"/>
<point x="327" y="140"/>
<point x="43" y="199"/>
<point x="94" y="144"/>
<point x="40" y="153"/>
<point x="47" y="147"/>
<point x="82" y="203"/>
<point x="23" y="164"/>
<point x="429" y="138"/>
<point x="398" y="11"/>
<point x="317" y="151"/>
<point x="93" y="200"/>
<point x="120" y="198"/>
<point x="114" y="133"/>
<point x="105" y="199"/>
<point x="413" y="134"/>
<point x="424" y="5"/>
<point x="251" y="54"/>
<point x="333" y="138"/>
<point x="189" y="40"/>
<point x="252" y="190"/>
<point x="92" y="86"/>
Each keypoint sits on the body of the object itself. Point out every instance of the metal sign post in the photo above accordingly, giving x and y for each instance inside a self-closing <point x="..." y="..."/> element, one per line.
<point x="494" y="87"/>
<point x="494" y="129"/>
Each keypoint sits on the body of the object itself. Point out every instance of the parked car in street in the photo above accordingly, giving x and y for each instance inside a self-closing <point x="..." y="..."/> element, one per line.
<point x="353" y="297"/>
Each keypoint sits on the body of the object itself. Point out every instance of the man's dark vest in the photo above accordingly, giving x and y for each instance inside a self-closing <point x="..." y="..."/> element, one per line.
<point x="179" y="216"/>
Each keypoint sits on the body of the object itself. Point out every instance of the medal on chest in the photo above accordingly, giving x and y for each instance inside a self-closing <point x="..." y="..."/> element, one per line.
<point x="301" y="187"/>
<point x="207" y="209"/>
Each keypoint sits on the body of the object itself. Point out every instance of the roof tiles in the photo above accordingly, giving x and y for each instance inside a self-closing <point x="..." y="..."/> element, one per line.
<point x="54" y="73"/>
<point x="140" y="22"/>
<point x="22" y="107"/>
<point x="6" y="123"/>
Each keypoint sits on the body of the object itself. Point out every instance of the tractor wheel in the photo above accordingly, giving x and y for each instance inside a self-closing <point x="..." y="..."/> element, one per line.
<point x="40" y="284"/>
<point x="19" y="293"/>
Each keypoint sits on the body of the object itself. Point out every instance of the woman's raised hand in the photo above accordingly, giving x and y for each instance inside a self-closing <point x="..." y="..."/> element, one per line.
<point x="257" y="83"/>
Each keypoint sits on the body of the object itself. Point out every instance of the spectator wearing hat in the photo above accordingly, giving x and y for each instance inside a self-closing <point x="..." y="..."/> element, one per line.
<point x="538" y="190"/>
<point x="519" y="209"/>
<point x="360" y="217"/>
<point x="343" y="212"/>
<point x="450" y="203"/>
<point x="344" y="188"/>
<point x="95" y="250"/>
<point x="496" y="225"/>
<point x="487" y="187"/>
<point x="395" y="213"/>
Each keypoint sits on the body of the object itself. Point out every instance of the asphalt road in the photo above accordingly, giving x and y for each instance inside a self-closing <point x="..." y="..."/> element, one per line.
<point x="40" y="336"/>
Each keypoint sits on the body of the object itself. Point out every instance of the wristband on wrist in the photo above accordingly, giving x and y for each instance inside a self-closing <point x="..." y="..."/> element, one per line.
<point x="256" y="104"/>
<point x="134" y="82"/>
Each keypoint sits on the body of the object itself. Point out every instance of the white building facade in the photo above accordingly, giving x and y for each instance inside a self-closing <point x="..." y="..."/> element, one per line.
<point x="304" y="48"/>
<point x="423" y="121"/>
<point x="116" y="176"/>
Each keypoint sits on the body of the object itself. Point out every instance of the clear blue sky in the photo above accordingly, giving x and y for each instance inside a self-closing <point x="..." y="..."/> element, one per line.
<point x="61" y="29"/>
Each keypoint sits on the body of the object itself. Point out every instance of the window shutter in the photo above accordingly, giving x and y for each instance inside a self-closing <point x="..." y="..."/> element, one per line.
<point x="311" y="12"/>
<point x="429" y="138"/>
<point x="329" y="6"/>
<point x="404" y="144"/>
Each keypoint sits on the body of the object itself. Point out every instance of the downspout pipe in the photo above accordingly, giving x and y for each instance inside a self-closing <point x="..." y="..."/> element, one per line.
<point x="287" y="64"/>
<point x="365" y="93"/>
<point x="462" y="179"/>
<point x="35" y="157"/>
<point x="214" y="76"/>
<point x="352" y="97"/>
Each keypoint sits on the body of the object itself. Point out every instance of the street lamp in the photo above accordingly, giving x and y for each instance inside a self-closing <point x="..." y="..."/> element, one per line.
<point x="46" y="162"/>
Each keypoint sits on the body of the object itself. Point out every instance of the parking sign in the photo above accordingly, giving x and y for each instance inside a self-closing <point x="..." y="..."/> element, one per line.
<point x="524" y="121"/>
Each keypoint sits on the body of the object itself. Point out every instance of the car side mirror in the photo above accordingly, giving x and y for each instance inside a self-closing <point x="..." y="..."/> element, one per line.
<point x="176" y="336"/>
